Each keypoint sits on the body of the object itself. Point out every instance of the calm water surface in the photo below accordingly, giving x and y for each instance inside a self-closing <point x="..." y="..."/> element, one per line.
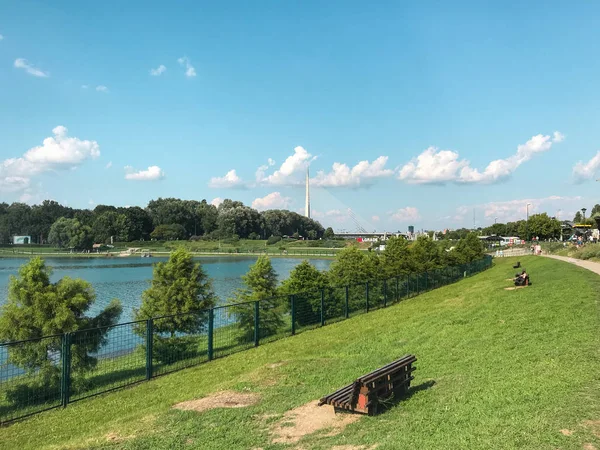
<point x="127" y="278"/>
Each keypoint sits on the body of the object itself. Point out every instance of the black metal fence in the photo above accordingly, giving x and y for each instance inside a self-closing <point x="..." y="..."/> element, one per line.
<point x="65" y="370"/>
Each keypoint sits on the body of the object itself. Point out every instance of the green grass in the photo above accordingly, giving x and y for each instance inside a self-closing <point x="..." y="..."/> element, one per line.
<point x="496" y="369"/>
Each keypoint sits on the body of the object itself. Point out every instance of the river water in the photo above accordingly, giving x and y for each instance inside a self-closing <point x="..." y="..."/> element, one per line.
<point x="127" y="278"/>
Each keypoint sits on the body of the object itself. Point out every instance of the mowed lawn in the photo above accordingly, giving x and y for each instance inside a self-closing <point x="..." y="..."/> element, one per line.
<point x="496" y="369"/>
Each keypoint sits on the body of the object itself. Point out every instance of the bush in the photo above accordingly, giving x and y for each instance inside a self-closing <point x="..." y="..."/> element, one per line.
<point x="254" y="236"/>
<point x="273" y="240"/>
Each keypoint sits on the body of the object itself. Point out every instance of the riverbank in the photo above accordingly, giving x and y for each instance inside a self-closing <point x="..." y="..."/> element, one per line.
<point x="544" y="338"/>
<point x="300" y="254"/>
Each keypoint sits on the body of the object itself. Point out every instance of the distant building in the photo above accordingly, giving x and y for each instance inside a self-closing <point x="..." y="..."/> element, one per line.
<point x="411" y="229"/>
<point x="21" y="240"/>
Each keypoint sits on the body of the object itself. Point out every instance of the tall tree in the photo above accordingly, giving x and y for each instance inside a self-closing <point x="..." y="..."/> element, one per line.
<point x="396" y="258"/>
<point x="260" y="284"/>
<point x="179" y="287"/>
<point x="305" y="283"/>
<point x="69" y="233"/>
<point x="36" y="308"/>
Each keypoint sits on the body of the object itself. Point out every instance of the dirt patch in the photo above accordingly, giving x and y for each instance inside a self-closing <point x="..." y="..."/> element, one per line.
<point x="589" y="446"/>
<point x="277" y="364"/>
<point x="309" y="419"/>
<point x="566" y="432"/>
<point x="225" y="399"/>
<point x="594" y="425"/>
<point x="514" y="288"/>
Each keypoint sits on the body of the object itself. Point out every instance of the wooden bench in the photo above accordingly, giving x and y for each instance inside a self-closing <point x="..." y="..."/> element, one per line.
<point x="364" y="394"/>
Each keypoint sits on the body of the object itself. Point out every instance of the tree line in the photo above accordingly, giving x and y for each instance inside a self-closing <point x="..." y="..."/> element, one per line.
<point x="162" y="219"/>
<point x="178" y="298"/>
<point x="541" y="226"/>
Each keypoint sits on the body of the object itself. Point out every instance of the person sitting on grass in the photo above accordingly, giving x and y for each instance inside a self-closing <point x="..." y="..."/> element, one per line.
<point x="522" y="279"/>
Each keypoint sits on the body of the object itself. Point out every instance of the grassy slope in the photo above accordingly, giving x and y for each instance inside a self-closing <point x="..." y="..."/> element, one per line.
<point x="509" y="370"/>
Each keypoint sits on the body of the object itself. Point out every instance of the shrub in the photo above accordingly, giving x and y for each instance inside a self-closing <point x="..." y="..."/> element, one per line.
<point x="273" y="240"/>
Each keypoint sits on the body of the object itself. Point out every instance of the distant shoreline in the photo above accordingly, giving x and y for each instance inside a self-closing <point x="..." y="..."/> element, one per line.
<point x="159" y="254"/>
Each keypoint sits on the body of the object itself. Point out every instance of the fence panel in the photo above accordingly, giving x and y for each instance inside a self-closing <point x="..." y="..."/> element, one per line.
<point x="275" y="319"/>
<point x="233" y="328"/>
<point x="308" y="310"/>
<point x="173" y="351"/>
<point x="119" y="361"/>
<point x="335" y="304"/>
<point x="27" y="392"/>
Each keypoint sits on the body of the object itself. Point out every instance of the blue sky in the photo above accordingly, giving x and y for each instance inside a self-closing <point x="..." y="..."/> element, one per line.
<point x="399" y="109"/>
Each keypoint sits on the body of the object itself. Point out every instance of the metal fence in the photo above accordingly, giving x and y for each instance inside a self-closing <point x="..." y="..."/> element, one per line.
<point x="78" y="365"/>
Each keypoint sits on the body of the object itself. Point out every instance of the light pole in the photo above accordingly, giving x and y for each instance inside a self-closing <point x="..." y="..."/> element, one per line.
<point x="527" y="222"/>
<point x="583" y="210"/>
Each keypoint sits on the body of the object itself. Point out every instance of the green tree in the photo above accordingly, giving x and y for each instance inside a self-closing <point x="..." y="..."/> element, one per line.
<point x="111" y="223"/>
<point x="396" y="259"/>
<point x="425" y="255"/>
<point x="70" y="233"/>
<point x="305" y="283"/>
<point x="312" y="235"/>
<point x="578" y="217"/>
<point x="351" y="266"/>
<point x="172" y="232"/>
<point x="469" y="249"/>
<point x="179" y="298"/>
<point x="36" y="308"/>
<point x="260" y="285"/>
<point x="329" y="234"/>
<point x="179" y="286"/>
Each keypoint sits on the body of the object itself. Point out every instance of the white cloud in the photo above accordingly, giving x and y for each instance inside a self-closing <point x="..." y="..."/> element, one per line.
<point x="407" y="214"/>
<point x="109" y="165"/>
<point x="152" y="173"/>
<point x="271" y="161"/>
<point x="289" y="170"/>
<point x="1" y="37"/>
<point x="230" y="180"/>
<point x="375" y="218"/>
<point x="362" y="173"/>
<point x="336" y="215"/>
<point x="190" y="71"/>
<point x="84" y="86"/>
<point x="57" y="152"/>
<point x="585" y="171"/>
<point x="21" y="63"/>
<point x="441" y="166"/>
<point x="216" y="201"/>
<point x="102" y="88"/>
<point x="91" y="202"/>
<point x="274" y="200"/>
<point x="158" y="71"/>
<point x="557" y="136"/>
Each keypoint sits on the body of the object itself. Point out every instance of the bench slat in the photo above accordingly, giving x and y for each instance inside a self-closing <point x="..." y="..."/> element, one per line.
<point x="363" y="395"/>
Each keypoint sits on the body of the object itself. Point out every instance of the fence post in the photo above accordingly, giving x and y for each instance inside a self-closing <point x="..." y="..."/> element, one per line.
<point x="347" y="312"/>
<point x="367" y="296"/>
<point x="211" y="326"/>
<point x="65" y="382"/>
<point x="426" y="281"/>
<point x="384" y="293"/>
<point x="322" y="306"/>
<point x="293" y="308"/>
<point x="256" y="323"/>
<point x="418" y="277"/>
<point x="149" y="342"/>
<point x="397" y="290"/>
<point x="408" y="285"/>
